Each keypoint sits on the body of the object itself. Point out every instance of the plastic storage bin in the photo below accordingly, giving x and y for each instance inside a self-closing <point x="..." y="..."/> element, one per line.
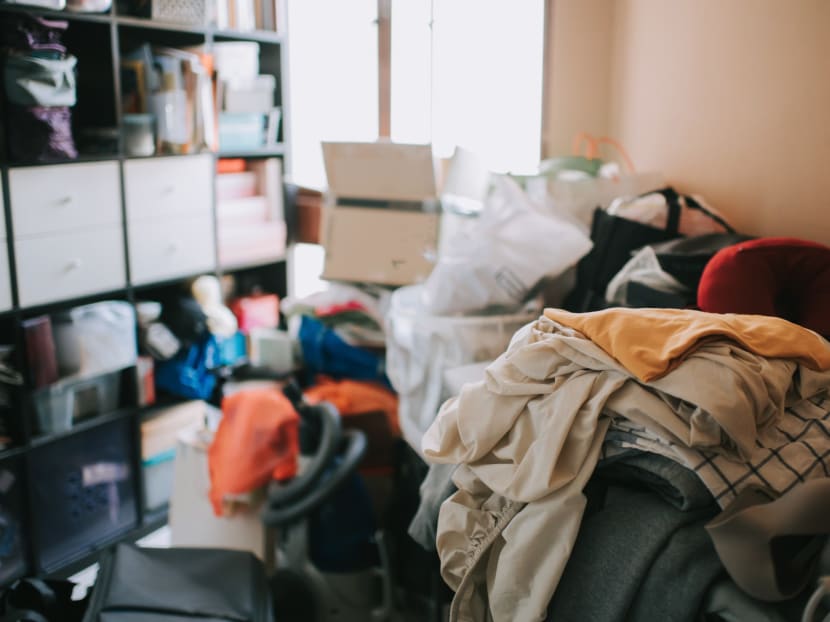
<point x="13" y="531"/>
<point x="240" y="131"/>
<point x="158" y="448"/>
<point x="58" y="405"/>
<point x="421" y="347"/>
<point x="95" y="338"/>
<point x="85" y="494"/>
<point x="157" y="472"/>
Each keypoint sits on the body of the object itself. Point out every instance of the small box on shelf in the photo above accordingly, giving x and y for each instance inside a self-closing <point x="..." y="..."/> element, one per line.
<point x="59" y="405"/>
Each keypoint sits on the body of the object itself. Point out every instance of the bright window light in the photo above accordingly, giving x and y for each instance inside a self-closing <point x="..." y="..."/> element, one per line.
<point x="333" y="73"/>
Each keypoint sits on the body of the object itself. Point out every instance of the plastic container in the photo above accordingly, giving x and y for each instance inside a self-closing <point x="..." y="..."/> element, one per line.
<point x="421" y="347"/>
<point x="96" y="338"/>
<point x="157" y="472"/>
<point x="240" y="131"/>
<point x="139" y="134"/>
<point x="57" y="406"/>
<point x="84" y="495"/>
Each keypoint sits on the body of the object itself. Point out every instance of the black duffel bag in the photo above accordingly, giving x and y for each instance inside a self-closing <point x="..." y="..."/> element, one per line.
<point x="179" y="585"/>
<point x="615" y="239"/>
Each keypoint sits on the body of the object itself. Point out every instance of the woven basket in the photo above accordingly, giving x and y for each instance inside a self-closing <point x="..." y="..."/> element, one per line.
<point x="181" y="11"/>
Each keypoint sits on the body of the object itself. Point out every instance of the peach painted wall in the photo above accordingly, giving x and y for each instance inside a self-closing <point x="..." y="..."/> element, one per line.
<point x="729" y="98"/>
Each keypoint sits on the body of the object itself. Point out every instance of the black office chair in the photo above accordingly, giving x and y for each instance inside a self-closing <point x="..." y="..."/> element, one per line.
<point x="216" y="584"/>
<point x="301" y="590"/>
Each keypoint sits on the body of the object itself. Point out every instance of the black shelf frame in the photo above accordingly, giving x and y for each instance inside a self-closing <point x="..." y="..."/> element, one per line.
<point x="274" y="47"/>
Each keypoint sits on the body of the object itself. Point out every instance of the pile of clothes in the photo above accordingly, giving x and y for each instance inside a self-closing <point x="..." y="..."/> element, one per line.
<point x="634" y="464"/>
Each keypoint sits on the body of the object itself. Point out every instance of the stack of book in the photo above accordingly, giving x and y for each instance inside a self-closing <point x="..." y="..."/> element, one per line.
<point x="175" y="86"/>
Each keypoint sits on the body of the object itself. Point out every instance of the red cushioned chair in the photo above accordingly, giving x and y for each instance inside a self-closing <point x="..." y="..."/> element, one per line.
<point x="783" y="277"/>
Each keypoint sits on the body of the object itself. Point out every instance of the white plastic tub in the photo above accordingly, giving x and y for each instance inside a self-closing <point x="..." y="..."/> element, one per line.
<point x="421" y="347"/>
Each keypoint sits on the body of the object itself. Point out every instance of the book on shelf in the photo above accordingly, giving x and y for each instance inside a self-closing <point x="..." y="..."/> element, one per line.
<point x="246" y="15"/>
<point x="176" y="86"/>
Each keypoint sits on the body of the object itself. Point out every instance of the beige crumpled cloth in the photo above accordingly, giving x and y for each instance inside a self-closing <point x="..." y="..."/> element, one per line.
<point x="527" y="439"/>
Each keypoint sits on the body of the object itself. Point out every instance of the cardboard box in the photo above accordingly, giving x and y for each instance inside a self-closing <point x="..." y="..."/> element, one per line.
<point x="373" y="230"/>
<point x="376" y="245"/>
<point x="382" y="171"/>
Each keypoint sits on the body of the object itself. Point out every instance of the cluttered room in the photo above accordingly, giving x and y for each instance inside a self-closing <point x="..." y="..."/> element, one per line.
<point x="385" y="311"/>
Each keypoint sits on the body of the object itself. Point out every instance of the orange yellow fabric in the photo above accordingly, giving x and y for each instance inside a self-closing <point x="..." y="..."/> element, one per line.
<point x="649" y="343"/>
<point x="353" y="397"/>
<point x="257" y="440"/>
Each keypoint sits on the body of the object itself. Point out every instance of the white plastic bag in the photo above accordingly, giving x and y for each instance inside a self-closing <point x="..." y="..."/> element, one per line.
<point x="643" y="267"/>
<point x="503" y="254"/>
<point x="577" y="198"/>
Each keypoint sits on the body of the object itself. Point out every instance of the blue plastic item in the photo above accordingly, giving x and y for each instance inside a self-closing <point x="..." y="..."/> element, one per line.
<point x="324" y="352"/>
<point x="233" y="349"/>
<point x="189" y="373"/>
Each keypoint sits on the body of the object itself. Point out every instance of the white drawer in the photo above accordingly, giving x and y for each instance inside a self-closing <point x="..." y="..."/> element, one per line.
<point x="159" y="187"/>
<point x="172" y="248"/>
<point x="5" y="279"/>
<point x="65" y="197"/>
<point x="69" y="265"/>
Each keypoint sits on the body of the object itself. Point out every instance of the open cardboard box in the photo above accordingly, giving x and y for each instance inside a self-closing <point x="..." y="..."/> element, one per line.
<point x="381" y="219"/>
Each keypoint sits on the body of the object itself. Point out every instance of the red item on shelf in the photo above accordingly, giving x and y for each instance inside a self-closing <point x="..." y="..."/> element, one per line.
<point x="257" y="311"/>
<point x="230" y="165"/>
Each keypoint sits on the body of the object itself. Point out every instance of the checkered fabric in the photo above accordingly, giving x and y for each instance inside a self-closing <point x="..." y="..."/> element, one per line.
<point x="798" y="449"/>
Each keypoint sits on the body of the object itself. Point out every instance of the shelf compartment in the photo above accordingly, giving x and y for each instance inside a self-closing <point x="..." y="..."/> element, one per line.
<point x="85" y="493"/>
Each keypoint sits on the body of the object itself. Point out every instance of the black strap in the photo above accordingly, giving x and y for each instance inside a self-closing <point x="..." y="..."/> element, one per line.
<point x="695" y="205"/>
<point x="673" y="205"/>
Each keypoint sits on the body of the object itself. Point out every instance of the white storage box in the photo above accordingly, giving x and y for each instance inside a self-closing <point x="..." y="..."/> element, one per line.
<point x="96" y="338"/>
<point x="421" y="347"/>
<point x="250" y="95"/>
<point x="235" y="185"/>
<point x="245" y="210"/>
<point x="236" y="60"/>
<point x="192" y="521"/>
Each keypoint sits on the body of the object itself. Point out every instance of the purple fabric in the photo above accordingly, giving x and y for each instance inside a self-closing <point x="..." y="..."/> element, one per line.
<point x="40" y="134"/>
<point x="26" y="33"/>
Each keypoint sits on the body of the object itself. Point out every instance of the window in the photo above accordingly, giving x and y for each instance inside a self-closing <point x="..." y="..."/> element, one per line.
<point x="462" y="72"/>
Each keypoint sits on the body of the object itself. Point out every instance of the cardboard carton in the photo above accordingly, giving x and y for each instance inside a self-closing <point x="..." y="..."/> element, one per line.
<point x="381" y="219"/>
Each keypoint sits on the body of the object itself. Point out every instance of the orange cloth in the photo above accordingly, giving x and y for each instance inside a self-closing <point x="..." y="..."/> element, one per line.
<point x="651" y="342"/>
<point x="354" y="397"/>
<point x="257" y="440"/>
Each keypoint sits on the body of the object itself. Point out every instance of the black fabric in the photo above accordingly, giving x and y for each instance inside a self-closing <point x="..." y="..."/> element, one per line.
<point x="170" y="584"/>
<point x="615" y="239"/>
<point x="33" y="599"/>
<point x="637" y="558"/>
<point x="674" y="483"/>
<point x="685" y="258"/>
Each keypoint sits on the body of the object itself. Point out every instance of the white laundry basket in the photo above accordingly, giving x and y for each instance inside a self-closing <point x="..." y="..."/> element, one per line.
<point x="421" y="347"/>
